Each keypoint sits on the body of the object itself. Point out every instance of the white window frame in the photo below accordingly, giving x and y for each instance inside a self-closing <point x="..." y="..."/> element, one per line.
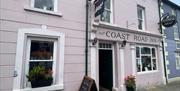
<point x="55" y="5"/>
<point x="177" y="59"/>
<point x="177" y="42"/>
<point x="176" y="32"/>
<point x="144" y="72"/>
<point x="54" y="60"/>
<point x="21" y="49"/>
<point x="111" y="13"/>
<point x="143" y="17"/>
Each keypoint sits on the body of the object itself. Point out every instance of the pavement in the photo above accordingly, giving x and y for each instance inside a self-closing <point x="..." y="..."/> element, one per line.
<point x="174" y="86"/>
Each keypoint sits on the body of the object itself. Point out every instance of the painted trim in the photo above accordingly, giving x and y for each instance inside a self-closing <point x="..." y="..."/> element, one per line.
<point x="118" y="28"/>
<point x="162" y="63"/>
<point x="122" y="57"/>
<point x="20" y="53"/>
<point x="133" y="53"/>
<point x="42" y="11"/>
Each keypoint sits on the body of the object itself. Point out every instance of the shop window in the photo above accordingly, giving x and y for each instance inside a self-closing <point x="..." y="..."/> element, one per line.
<point x="178" y="60"/>
<point x="106" y="16"/>
<point x="50" y="5"/>
<point x="40" y="57"/>
<point x="141" y="17"/>
<point x="146" y="59"/>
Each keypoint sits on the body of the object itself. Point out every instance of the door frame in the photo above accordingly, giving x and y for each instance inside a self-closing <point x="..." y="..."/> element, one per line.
<point x="113" y="61"/>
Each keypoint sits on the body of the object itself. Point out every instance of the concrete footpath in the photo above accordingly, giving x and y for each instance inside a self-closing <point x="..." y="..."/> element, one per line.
<point x="174" y="86"/>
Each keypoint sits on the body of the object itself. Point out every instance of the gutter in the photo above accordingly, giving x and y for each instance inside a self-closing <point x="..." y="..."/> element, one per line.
<point x="161" y="31"/>
<point x="86" y="34"/>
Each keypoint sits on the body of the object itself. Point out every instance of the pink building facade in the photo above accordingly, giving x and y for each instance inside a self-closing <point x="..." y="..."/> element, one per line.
<point x="123" y="41"/>
<point x="57" y="27"/>
<point x="128" y="43"/>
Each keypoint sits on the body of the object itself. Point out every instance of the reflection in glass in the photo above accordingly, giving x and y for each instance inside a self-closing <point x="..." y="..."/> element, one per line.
<point x="153" y="52"/>
<point x="146" y="63"/>
<point x="138" y="65"/>
<point x="137" y="52"/>
<point x="44" y="4"/>
<point x="154" y="64"/>
<point x="41" y="50"/>
<point x="145" y="50"/>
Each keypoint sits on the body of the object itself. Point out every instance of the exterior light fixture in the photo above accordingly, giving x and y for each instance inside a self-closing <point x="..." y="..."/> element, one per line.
<point x="123" y="43"/>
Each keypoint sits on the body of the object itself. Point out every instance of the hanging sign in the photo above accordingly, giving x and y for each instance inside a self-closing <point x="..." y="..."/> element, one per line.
<point x="99" y="7"/>
<point x="168" y="20"/>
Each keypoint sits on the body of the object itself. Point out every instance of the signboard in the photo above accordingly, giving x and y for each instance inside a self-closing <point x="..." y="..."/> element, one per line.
<point x="88" y="84"/>
<point x="99" y="7"/>
<point x="168" y="20"/>
<point x="129" y="37"/>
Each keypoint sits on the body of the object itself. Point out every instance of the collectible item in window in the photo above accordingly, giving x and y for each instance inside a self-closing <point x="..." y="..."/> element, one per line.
<point x="40" y="76"/>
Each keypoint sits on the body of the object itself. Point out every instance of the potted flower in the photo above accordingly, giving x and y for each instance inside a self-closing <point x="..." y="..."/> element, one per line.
<point x="39" y="76"/>
<point x="130" y="83"/>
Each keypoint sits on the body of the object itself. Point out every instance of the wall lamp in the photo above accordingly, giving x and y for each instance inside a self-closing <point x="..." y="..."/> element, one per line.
<point x="123" y="43"/>
<point x="93" y="41"/>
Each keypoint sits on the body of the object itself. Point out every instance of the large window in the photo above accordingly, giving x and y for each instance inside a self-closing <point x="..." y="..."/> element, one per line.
<point x="141" y="17"/>
<point x="178" y="61"/>
<point x="41" y="52"/>
<point x="146" y="59"/>
<point x="50" y="5"/>
<point x="39" y="60"/>
<point x="106" y="16"/>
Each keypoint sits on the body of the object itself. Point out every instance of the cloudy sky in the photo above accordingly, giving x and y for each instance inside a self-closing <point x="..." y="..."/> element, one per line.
<point x="176" y="1"/>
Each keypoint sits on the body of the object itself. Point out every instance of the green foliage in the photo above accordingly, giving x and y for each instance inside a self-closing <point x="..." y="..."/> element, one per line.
<point x="39" y="72"/>
<point x="130" y="81"/>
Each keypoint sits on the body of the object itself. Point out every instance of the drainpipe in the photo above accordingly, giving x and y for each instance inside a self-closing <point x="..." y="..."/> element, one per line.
<point x="86" y="44"/>
<point x="161" y="31"/>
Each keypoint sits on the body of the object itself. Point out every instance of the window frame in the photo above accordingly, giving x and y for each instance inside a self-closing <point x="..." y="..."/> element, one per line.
<point x="21" y="49"/>
<point x="55" y="6"/>
<point x="28" y="60"/>
<point x="143" y="17"/>
<point x="110" y="11"/>
<point x="140" y="55"/>
<point x="177" y="55"/>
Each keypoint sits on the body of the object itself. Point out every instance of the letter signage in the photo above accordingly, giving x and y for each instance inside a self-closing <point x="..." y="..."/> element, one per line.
<point x="129" y="37"/>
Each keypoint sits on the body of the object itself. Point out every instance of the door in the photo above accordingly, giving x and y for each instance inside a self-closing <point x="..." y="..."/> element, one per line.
<point x="105" y="69"/>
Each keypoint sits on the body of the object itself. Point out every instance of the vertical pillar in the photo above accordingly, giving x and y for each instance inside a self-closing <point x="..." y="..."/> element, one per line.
<point x="121" y="67"/>
<point x="162" y="63"/>
<point x="133" y="58"/>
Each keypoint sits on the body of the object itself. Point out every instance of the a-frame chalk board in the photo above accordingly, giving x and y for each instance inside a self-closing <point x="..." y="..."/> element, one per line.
<point x="88" y="84"/>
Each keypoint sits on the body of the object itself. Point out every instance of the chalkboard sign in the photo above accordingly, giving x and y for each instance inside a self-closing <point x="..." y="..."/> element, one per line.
<point x="88" y="84"/>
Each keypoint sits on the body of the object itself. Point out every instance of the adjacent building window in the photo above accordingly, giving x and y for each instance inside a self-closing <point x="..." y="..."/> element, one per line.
<point x="141" y="17"/>
<point x="50" y="5"/>
<point x="106" y="16"/>
<point x="176" y="32"/>
<point x="146" y="59"/>
<point x="178" y="61"/>
<point x="39" y="58"/>
<point x="175" y="27"/>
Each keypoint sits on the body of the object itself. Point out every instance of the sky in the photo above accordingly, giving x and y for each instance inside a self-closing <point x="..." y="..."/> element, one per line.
<point x="176" y="1"/>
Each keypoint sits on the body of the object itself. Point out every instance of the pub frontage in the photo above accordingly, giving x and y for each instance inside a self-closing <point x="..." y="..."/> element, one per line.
<point x="119" y="53"/>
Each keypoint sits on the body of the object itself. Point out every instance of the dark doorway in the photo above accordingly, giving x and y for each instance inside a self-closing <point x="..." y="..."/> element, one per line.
<point x="105" y="70"/>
